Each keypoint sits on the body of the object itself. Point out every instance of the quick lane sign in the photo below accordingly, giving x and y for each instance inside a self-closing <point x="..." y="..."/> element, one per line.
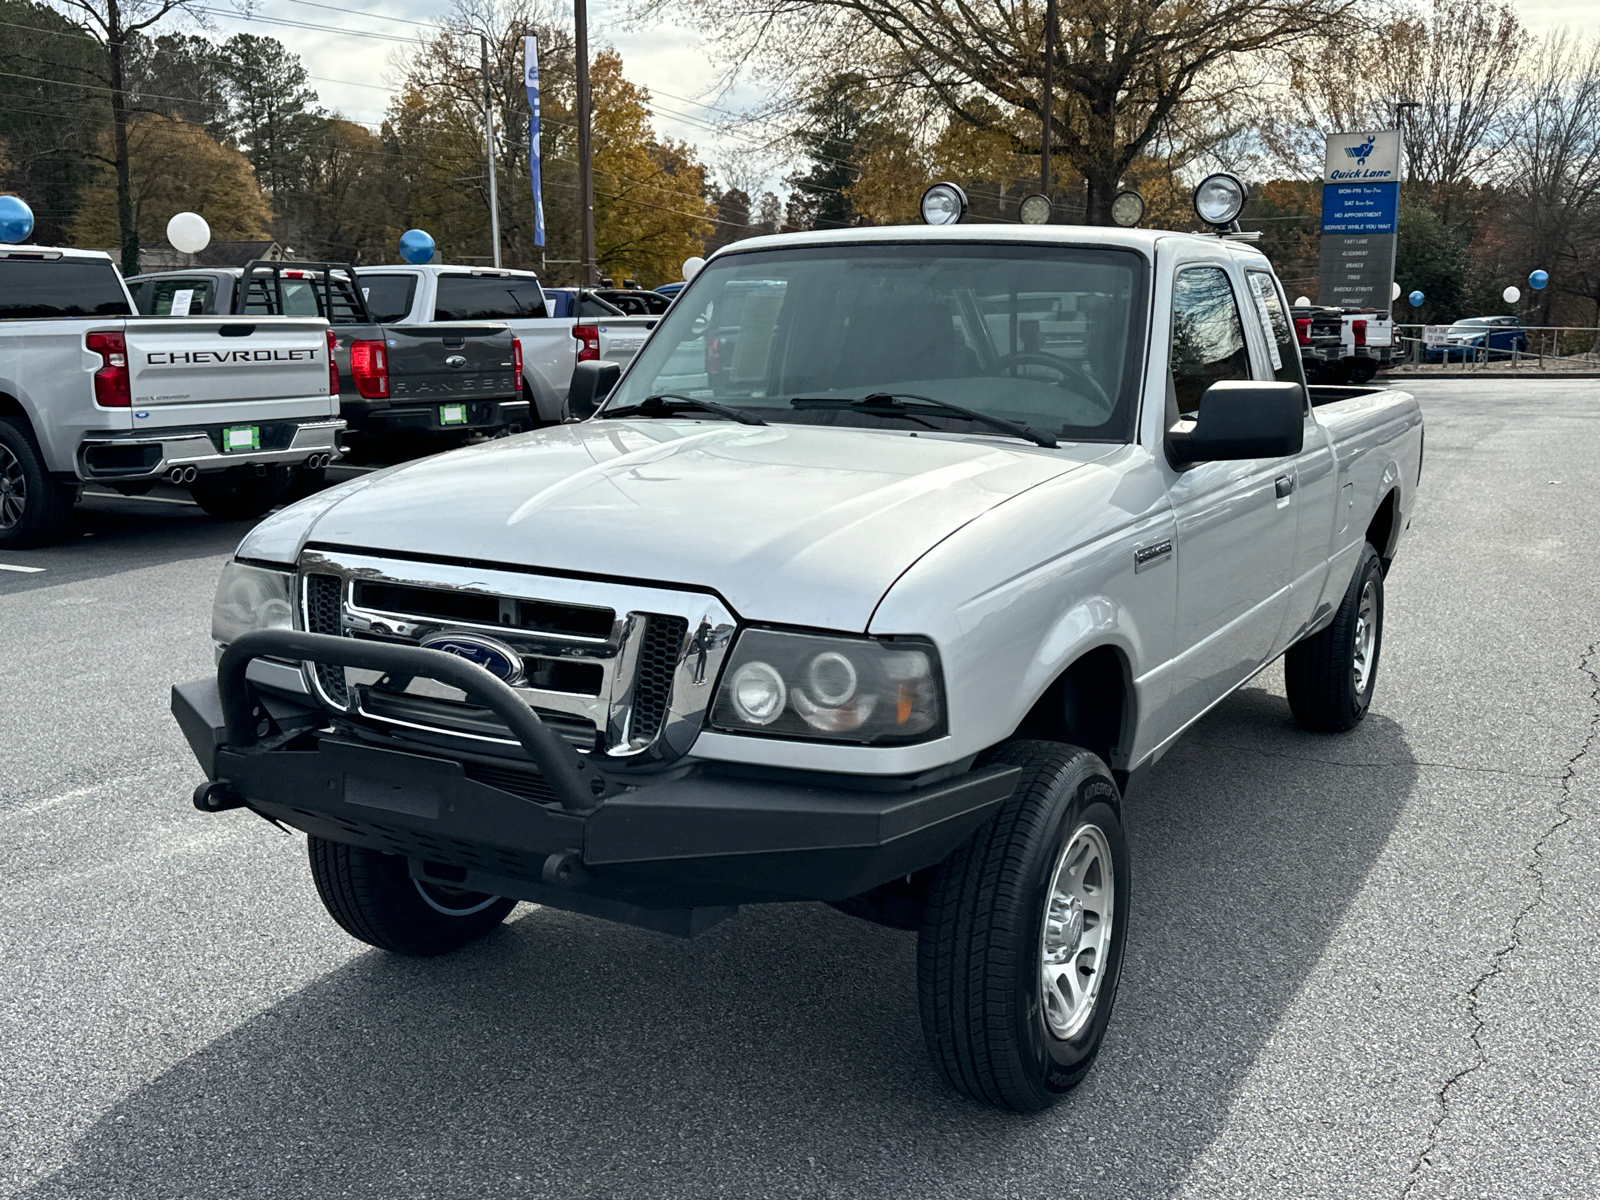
<point x="1360" y="217"/>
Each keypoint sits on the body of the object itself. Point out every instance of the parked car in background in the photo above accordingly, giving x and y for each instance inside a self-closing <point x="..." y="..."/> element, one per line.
<point x="670" y="290"/>
<point x="635" y="302"/>
<point x="426" y="382"/>
<point x="1340" y="345"/>
<point x="92" y="393"/>
<point x="1481" y="337"/>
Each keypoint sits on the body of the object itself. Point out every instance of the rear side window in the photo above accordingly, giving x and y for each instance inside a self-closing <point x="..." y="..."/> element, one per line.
<point x="593" y="306"/>
<point x="1207" y="335"/>
<point x="62" y="287"/>
<point x="1282" y="348"/>
<point x="488" y="298"/>
<point x="175" y="297"/>
<point x="303" y="297"/>
<point x="388" y="296"/>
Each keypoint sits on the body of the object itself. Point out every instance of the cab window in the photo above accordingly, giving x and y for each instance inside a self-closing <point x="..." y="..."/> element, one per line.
<point x="1282" y="348"/>
<point x="1207" y="335"/>
<point x="488" y="298"/>
<point x="176" y="297"/>
<point x="388" y="296"/>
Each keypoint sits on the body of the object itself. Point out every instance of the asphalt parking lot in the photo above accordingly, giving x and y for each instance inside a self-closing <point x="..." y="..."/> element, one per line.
<point x="1359" y="966"/>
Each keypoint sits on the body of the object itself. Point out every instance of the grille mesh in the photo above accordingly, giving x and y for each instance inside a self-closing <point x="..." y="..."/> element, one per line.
<point x="323" y="616"/>
<point x="658" y="658"/>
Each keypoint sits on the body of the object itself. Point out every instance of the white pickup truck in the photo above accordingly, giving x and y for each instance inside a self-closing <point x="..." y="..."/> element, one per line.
<point x="551" y="345"/>
<point x="90" y="393"/>
<point x="884" y="604"/>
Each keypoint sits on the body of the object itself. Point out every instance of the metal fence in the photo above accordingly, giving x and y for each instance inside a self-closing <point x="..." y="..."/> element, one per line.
<point x="1572" y="347"/>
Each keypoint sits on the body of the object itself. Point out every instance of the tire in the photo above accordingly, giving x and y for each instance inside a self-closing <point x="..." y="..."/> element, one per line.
<point x="374" y="899"/>
<point x="241" y="497"/>
<point x="35" y="510"/>
<point x="980" y="969"/>
<point x="1330" y="675"/>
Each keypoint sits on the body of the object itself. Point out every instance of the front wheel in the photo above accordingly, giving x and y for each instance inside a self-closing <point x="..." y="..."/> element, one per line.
<point x="1023" y="932"/>
<point x="374" y="899"/>
<point x="241" y="497"/>
<point x="1330" y="675"/>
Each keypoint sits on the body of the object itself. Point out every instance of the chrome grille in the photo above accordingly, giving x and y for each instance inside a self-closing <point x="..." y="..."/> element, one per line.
<point x="658" y="659"/>
<point x="610" y="667"/>
<point x="323" y="599"/>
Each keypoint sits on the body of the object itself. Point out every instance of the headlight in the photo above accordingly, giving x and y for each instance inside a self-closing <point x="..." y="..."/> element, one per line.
<point x="801" y="685"/>
<point x="250" y="598"/>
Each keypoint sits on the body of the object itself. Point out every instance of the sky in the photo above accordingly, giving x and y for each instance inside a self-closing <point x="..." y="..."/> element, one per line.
<point x="352" y="71"/>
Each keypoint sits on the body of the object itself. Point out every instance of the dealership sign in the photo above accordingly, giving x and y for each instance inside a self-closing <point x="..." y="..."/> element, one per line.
<point x="1360" y="218"/>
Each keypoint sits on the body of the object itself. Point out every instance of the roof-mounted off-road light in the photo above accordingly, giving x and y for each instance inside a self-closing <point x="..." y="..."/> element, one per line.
<point x="943" y="204"/>
<point x="1035" y="209"/>
<point x="1127" y="210"/>
<point x="1219" y="199"/>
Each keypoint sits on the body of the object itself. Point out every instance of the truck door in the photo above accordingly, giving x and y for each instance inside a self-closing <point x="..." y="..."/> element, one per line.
<point x="1312" y="474"/>
<point x="1235" y="521"/>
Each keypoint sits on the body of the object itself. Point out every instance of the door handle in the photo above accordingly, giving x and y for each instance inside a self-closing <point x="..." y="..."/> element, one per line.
<point x="1284" y="485"/>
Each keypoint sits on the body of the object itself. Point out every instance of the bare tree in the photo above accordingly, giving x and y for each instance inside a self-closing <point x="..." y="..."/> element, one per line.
<point x="115" y="23"/>
<point x="1123" y="69"/>
<point x="1552" y="166"/>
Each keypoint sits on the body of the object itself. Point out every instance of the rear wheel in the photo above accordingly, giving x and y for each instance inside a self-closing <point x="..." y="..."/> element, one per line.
<point x="1023" y="932"/>
<point x="374" y="899"/>
<point x="35" y="509"/>
<point x="1330" y="675"/>
<point x="240" y="497"/>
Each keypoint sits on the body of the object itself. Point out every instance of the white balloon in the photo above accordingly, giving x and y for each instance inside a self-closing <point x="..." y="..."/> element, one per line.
<point x="1303" y="302"/>
<point x="1511" y="295"/>
<point x="1394" y="291"/>
<point x="691" y="267"/>
<point x="188" y="232"/>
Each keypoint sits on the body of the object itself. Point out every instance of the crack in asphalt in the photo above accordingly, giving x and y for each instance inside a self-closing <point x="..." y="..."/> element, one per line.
<point x="1497" y="961"/>
<point x="1399" y="762"/>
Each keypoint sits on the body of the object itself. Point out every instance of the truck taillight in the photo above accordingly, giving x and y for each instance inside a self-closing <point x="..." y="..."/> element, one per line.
<point x="589" y="342"/>
<point x="333" y="365"/>
<point x="1302" y="330"/>
<point x="516" y="364"/>
<point x="1359" y="328"/>
<point x="112" y="386"/>
<point x="369" y="367"/>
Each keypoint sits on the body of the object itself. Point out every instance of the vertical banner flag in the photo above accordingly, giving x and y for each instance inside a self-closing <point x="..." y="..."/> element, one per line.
<point x="530" y="79"/>
<point x="1360" y="218"/>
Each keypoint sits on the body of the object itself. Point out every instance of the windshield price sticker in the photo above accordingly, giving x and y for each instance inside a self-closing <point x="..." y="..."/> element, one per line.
<point x="241" y="437"/>
<point x="181" y="300"/>
<point x="452" y="414"/>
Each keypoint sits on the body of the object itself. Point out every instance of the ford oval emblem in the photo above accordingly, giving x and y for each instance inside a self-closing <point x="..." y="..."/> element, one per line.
<point x="500" y="660"/>
<point x="455" y="360"/>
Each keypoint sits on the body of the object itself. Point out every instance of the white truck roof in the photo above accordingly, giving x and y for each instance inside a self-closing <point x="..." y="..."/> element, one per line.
<point x="1142" y="240"/>
<point x="51" y="252"/>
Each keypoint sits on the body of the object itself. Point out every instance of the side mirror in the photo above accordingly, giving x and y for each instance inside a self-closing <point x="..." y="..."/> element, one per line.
<point x="591" y="383"/>
<point x="1242" y="419"/>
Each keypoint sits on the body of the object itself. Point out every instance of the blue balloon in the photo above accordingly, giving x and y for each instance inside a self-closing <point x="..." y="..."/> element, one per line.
<point x="416" y="246"/>
<point x="16" y="219"/>
<point x="1538" y="279"/>
<point x="1416" y="298"/>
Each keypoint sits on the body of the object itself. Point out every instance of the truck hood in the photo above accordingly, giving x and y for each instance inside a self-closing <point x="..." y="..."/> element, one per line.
<point x="795" y="524"/>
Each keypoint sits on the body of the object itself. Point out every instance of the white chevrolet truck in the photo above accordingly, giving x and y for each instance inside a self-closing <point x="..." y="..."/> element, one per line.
<point x="91" y="393"/>
<point x="885" y="604"/>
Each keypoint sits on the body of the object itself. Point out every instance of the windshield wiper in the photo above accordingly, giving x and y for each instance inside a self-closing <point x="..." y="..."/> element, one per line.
<point x="891" y="404"/>
<point x="668" y="403"/>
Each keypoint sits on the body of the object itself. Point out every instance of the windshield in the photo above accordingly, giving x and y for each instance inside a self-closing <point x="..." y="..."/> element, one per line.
<point x="1043" y="336"/>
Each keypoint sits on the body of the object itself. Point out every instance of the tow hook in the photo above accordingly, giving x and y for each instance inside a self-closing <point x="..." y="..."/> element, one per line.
<point x="215" y="796"/>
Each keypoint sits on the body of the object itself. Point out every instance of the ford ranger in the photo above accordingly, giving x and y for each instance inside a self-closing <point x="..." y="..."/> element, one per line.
<point x="91" y="393"/>
<point x="886" y="605"/>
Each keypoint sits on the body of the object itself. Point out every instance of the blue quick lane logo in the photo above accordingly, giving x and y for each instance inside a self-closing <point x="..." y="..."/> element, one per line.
<point x="1360" y="153"/>
<point x="500" y="660"/>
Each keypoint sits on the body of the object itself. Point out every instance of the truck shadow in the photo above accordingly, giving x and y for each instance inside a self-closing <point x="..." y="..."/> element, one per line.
<point x="781" y="1053"/>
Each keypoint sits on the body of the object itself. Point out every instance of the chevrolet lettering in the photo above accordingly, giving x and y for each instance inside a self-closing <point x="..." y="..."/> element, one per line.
<point x="889" y="565"/>
<point x="158" y="358"/>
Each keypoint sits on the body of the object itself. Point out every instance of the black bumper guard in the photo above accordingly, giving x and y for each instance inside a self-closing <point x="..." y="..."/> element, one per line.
<point x="577" y="784"/>
<point x="673" y="850"/>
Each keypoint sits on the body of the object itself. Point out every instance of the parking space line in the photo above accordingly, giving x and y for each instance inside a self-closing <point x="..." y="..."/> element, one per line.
<point x="21" y="570"/>
<point x="148" y="499"/>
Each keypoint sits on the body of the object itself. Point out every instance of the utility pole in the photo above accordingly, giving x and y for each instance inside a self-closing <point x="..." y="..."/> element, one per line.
<point x="488" y="140"/>
<point x="1049" y="94"/>
<point x="580" y="17"/>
